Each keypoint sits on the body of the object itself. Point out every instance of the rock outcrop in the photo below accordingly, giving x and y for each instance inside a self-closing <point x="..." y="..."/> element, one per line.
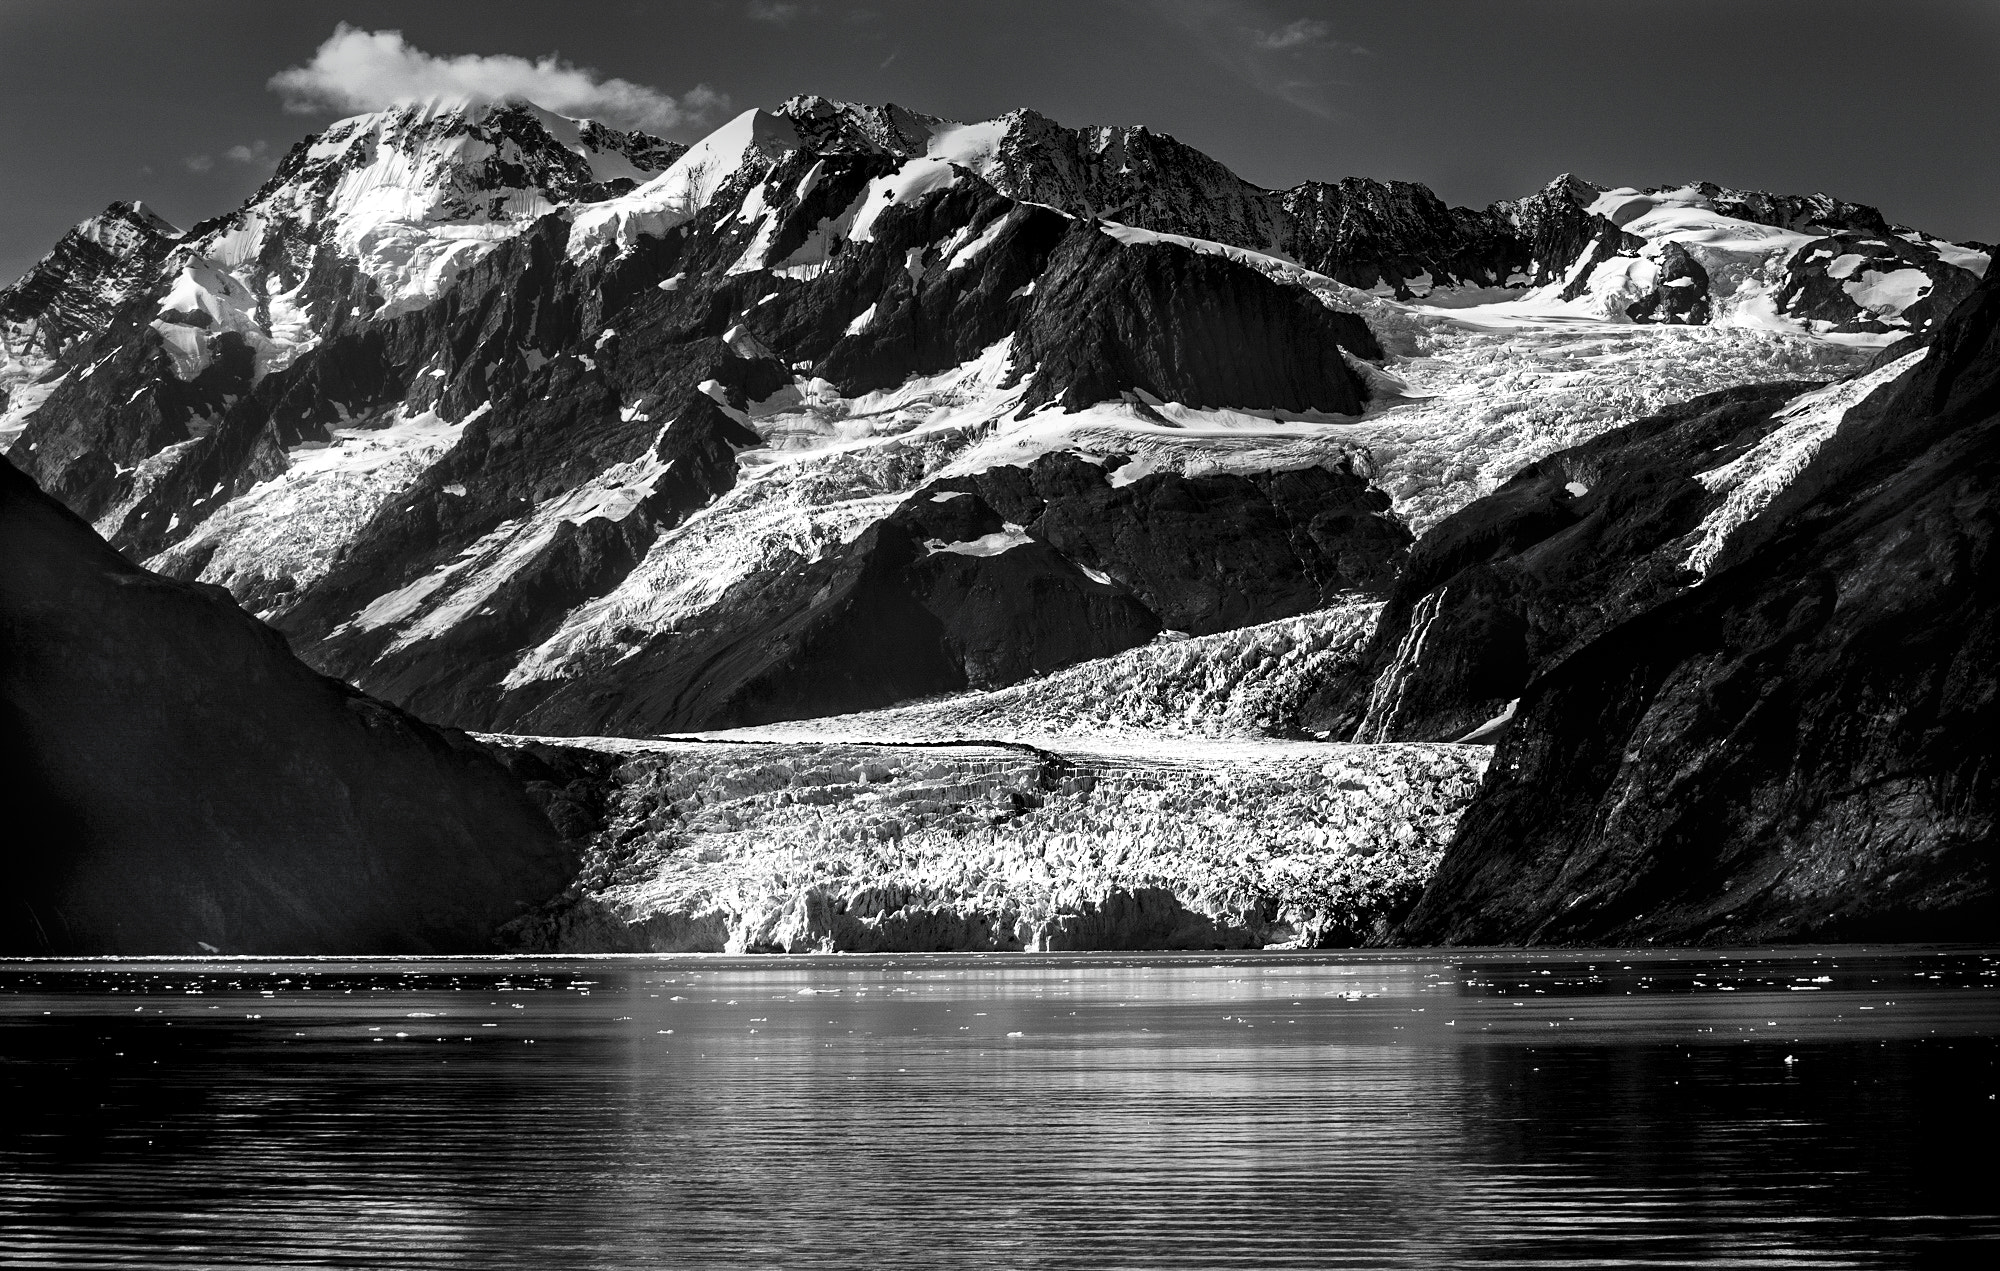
<point x="1399" y="236"/>
<point x="176" y="782"/>
<point x="1202" y="330"/>
<point x="1784" y="728"/>
<point x="1574" y="544"/>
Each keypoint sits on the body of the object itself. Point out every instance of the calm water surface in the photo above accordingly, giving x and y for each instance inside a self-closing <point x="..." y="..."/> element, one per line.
<point x="1823" y="1108"/>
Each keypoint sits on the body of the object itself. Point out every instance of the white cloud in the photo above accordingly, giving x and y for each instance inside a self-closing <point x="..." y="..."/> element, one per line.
<point x="258" y="153"/>
<point x="356" y="70"/>
<point x="775" y="11"/>
<point x="198" y="162"/>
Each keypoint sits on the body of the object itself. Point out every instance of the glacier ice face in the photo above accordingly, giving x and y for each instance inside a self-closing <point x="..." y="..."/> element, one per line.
<point x="826" y="845"/>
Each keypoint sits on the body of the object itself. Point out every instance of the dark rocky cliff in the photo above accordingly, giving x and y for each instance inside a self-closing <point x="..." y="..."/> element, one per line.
<point x="1186" y="327"/>
<point x="73" y="292"/>
<point x="176" y="781"/>
<point x="1505" y="588"/>
<point x="1800" y="747"/>
<point x="1387" y="233"/>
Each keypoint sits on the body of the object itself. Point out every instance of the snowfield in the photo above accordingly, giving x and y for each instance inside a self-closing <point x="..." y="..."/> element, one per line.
<point x="1242" y="685"/>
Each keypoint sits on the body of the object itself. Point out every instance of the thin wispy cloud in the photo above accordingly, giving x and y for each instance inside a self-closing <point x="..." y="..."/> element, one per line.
<point x="1266" y="49"/>
<point x="357" y="70"/>
<point x="774" y="12"/>
<point x="258" y="153"/>
<point x="1302" y="33"/>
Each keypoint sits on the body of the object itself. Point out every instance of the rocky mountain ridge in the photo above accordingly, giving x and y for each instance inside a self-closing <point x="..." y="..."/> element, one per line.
<point x="1771" y="714"/>
<point x="611" y="353"/>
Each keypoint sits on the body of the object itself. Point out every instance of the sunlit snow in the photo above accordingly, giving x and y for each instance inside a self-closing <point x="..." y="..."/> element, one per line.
<point x="1758" y="476"/>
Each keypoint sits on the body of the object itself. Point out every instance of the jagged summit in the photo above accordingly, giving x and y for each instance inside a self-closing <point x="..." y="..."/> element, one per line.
<point x="73" y="288"/>
<point x="70" y="295"/>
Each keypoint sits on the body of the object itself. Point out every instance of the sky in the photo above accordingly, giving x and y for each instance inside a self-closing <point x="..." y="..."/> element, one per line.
<point x="189" y="104"/>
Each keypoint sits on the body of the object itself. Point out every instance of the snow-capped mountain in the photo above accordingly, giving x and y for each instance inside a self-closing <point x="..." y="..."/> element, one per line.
<point x="525" y="422"/>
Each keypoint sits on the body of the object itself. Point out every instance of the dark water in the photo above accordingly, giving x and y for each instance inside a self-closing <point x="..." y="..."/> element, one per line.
<point x="1823" y="1108"/>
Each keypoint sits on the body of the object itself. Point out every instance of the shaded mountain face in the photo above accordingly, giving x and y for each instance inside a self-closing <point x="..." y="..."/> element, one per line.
<point x="1755" y="656"/>
<point x="177" y="782"/>
<point x="1399" y="237"/>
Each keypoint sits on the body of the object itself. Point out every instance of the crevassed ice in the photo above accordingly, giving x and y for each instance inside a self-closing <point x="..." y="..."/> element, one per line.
<point x="293" y="524"/>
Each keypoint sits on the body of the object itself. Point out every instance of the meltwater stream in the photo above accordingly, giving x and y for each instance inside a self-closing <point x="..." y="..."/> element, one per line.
<point x="1821" y="1107"/>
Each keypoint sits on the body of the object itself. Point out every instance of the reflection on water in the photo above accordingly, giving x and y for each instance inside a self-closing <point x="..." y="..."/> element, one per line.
<point x="1821" y="1108"/>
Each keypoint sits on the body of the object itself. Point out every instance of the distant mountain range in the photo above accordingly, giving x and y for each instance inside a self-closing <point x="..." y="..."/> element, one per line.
<point x="525" y="424"/>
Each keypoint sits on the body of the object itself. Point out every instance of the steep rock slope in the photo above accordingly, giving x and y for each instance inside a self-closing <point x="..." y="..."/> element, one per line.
<point x="176" y="781"/>
<point x="1399" y="237"/>
<point x="1801" y="743"/>
<point x="71" y="295"/>
<point x="1572" y="544"/>
<point x="987" y="579"/>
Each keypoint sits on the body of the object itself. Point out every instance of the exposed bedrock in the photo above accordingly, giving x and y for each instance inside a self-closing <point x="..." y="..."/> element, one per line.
<point x="1826" y="281"/>
<point x="984" y="580"/>
<point x="1369" y="233"/>
<point x="1680" y="293"/>
<point x="1799" y="747"/>
<point x="176" y="781"/>
<point x="1574" y="544"/>
<point x="72" y="293"/>
<point x="1205" y="330"/>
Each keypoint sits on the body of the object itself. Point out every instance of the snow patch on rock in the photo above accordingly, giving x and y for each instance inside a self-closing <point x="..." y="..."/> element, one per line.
<point x="1749" y="482"/>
